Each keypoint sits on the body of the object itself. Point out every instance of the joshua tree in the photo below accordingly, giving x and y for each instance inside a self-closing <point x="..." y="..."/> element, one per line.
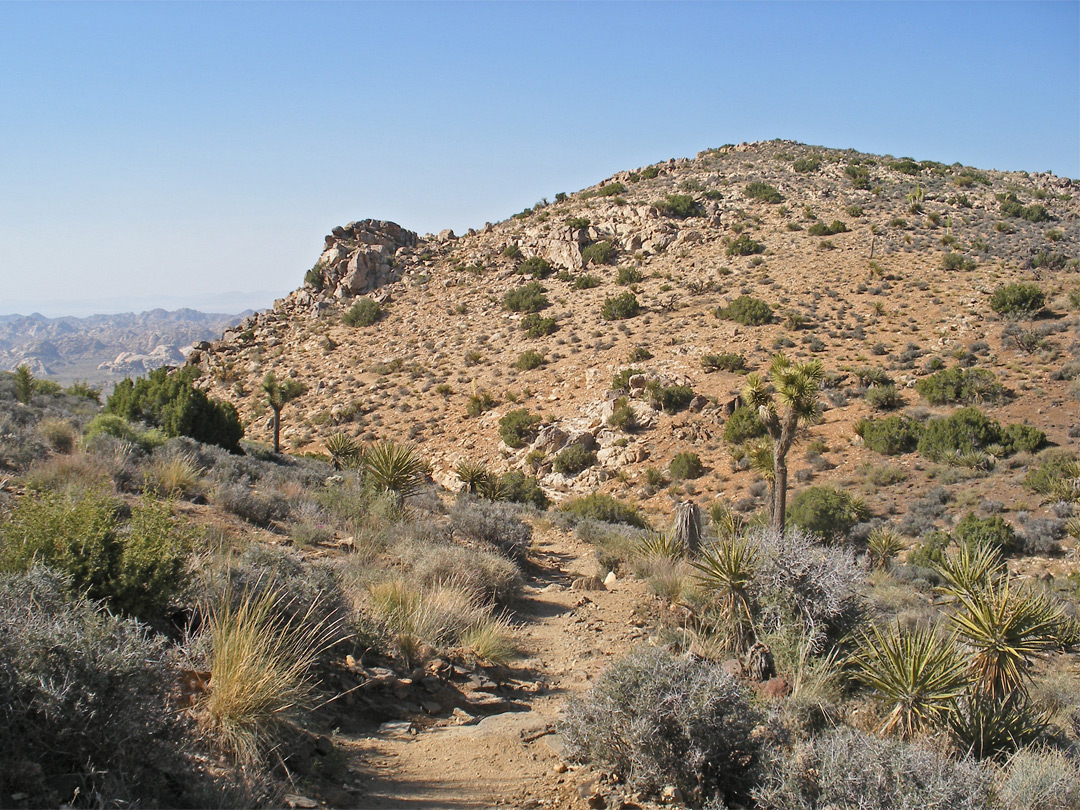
<point x="787" y="401"/>
<point x="277" y="395"/>
<point x="24" y="384"/>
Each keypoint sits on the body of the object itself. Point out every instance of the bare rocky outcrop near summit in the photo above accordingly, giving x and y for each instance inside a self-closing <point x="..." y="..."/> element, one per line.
<point x="362" y="256"/>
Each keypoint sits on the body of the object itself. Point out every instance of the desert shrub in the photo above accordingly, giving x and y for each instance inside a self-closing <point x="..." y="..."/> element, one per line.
<point x="847" y="768"/>
<point x="657" y="719"/>
<point x="620" y="307"/>
<point x="512" y="251"/>
<point x="136" y="567"/>
<point x="1043" y="778"/>
<point x="526" y="298"/>
<point x="364" y="312"/>
<point x="1018" y="301"/>
<point x="828" y="512"/>
<point x="821" y="229"/>
<point x="883" y="398"/>
<point x="967" y="430"/>
<point x="82" y="698"/>
<point x="1039" y="535"/>
<point x="744" y="245"/>
<point x="1017" y="438"/>
<point x="679" y="206"/>
<point x="517" y="427"/>
<point x="961" y="385"/>
<point x="747" y="310"/>
<point x="517" y="487"/>
<point x="1057" y="468"/>
<point x="807" y="164"/>
<point x="623" y="416"/>
<point x="599" y="253"/>
<point x="743" y="424"/>
<point x="621" y="380"/>
<point x="671" y="398"/>
<point x="991" y="531"/>
<point x="686" y="465"/>
<point x="603" y="508"/>
<point x="537" y="326"/>
<point x="528" y="360"/>
<point x="109" y="424"/>
<point x="611" y="189"/>
<point x="498" y="524"/>
<point x="488" y="575"/>
<point x="858" y="174"/>
<point x="573" y="459"/>
<point x="586" y="282"/>
<point x="479" y="402"/>
<point x="59" y="433"/>
<point x="258" y="508"/>
<point x="923" y="513"/>
<point x="763" y="192"/>
<point x="537" y="267"/>
<point x="628" y="275"/>
<point x="171" y="401"/>
<point x="726" y="361"/>
<point x="956" y="261"/>
<point x="1012" y="207"/>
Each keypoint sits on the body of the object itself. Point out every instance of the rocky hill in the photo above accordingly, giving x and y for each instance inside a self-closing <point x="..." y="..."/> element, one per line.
<point x="105" y="348"/>
<point x="873" y="264"/>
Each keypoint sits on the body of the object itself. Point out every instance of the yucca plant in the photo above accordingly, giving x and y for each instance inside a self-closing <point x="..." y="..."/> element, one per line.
<point x="727" y="523"/>
<point x="970" y="570"/>
<point x="918" y="672"/>
<point x="727" y="569"/>
<point x="660" y="544"/>
<point x="882" y="546"/>
<point x="393" y="468"/>
<point x="260" y="666"/>
<point x="345" y="452"/>
<point x="473" y="475"/>
<point x="986" y="726"/>
<point x="1006" y="628"/>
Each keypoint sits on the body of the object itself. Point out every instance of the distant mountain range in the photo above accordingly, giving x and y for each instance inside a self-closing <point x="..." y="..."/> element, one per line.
<point x="106" y="348"/>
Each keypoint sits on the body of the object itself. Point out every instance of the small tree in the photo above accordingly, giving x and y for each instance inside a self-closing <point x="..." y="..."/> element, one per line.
<point x="784" y="404"/>
<point x="277" y="396"/>
<point x="24" y="384"/>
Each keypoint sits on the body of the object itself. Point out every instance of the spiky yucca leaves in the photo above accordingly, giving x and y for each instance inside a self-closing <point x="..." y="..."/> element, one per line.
<point x="727" y="569"/>
<point x="882" y="546"/>
<point x="790" y="400"/>
<point x="474" y="475"/>
<point x="986" y="726"/>
<point x="393" y="468"/>
<point x="920" y="673"/>
<point x="260" y="669"/>
<point x="727" y="523"/>
<point x="970" y="570"/>
<point x="345" y="452"/>
<point x="1006" y="628"/>
<point x="660" y="544"/>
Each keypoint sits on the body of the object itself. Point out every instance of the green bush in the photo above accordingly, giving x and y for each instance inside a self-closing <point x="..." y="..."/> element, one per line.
<point x="828" y="512"/>
<point x="821" y="229"/>
<point x="518" y="487"/>
<point x="656" y="719"/>
<point x="173" y="403"/>
<point x="1018" y="301"/>
<point x="890" y="436"/>
<point x="807" y="164"/>
<point x="512" y="251"/>
<point x="577" y="223"/>
<point x="961" y="385"/>
<point x="628" y="275"/>
<point x="621" y="380"/>
<point x="747" y="310"/>
<point x="743" y="424"/>
<point x="991" y="531"/>
<point x="573" y="459"/>
<point x="622" y="415"/>
<point x="883" y="398"/>
<point x="726" y="361"/>
<point x="109" y="424"/>
<point x="526" y="298"/>
<point x="967" y="430"/>
<point x="671" y="398"/>
<point x="859" y="175"/>
<point x="1012" y="207"/>
<point x="649" y="172"/>
<point x="528" y="360"/>
<point x="135" y="567"/>
<point x="744" y="245"/>
<point x="1055" y="467"/>
<point x="536" y="267"/>
<point x="956" y="261"/>
<point x="314" y="277"/>
<point x="686" y="465"/>
<point x="518" y="427"/>
<point x="600" y="253"/>
<point x="480" y="402"/>
<point x="537" y="326"/>
<point x="364" y="312"/>
<point x="763" y="192"/>
<point x="611" y="190"/>
<point x="1017" y="438"/>
<point x="620" y="307"/>
<point x="605" y="508"/>
<point x="679" y="206"/>
<point x="586" y="282"/>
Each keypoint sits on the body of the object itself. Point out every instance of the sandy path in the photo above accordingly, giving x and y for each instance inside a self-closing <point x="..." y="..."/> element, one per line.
<point x="509" y="760"/>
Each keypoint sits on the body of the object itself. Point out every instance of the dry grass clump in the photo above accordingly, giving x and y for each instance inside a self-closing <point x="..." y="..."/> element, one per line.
<point x="174" y="475"/>
<point x="79" y="472"/>
<point x="260" y="669"/>
<point x="59" y="433"/>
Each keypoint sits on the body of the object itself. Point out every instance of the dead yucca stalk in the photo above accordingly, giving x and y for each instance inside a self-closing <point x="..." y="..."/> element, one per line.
<point x="260" y="670"/>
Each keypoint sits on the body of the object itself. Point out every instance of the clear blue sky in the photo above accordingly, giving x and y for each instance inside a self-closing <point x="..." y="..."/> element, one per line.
<point x="157" y="152"/>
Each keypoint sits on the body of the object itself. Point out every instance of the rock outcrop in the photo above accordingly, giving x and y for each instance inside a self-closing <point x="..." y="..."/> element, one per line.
<point x="362" y="256"/>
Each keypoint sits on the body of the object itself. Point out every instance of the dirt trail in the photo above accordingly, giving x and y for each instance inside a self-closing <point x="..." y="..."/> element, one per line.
<point x="568" y="637"/>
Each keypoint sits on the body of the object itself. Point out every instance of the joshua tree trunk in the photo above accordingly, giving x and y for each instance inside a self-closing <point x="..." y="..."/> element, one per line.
<point x="687" y="527"/>
<point x="277" y="430"/>
<point x="779" y="509"/>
